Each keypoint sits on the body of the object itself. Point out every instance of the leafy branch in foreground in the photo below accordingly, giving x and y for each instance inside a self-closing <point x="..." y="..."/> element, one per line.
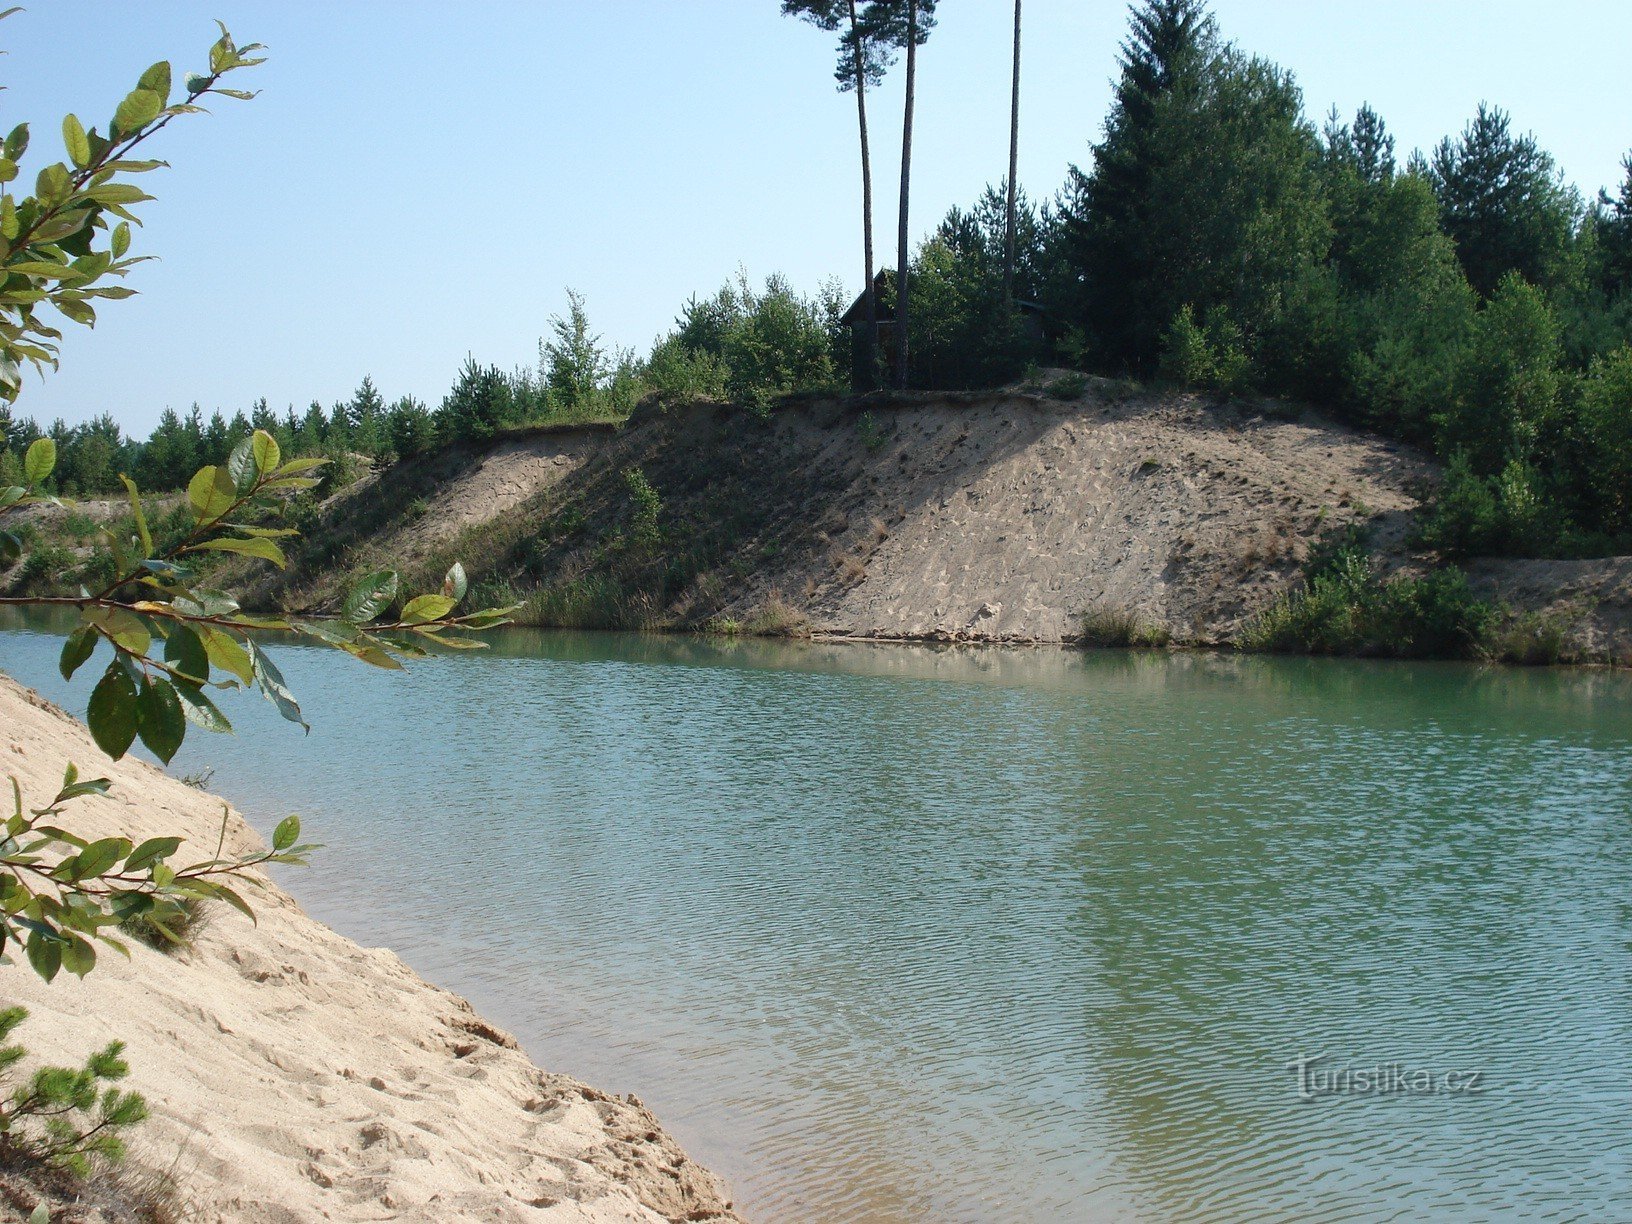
<point x="59" y="892"/>
<point x="172" y="639"/>
<point x="51" y="249"/>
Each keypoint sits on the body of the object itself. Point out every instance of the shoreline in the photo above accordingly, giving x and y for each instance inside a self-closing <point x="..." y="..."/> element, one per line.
<point x="294" y="1074"/>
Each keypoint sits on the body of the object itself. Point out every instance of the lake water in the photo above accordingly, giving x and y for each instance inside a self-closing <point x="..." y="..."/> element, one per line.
<point x="900" y="934"/>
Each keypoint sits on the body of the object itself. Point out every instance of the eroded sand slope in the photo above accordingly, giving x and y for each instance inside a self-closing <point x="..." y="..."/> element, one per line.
<point x="1001" y="516"/>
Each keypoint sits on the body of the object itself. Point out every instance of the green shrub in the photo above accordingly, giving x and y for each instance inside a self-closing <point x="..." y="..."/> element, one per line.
<point x="683" y="375"/>
<point x="1533" y="639"/>
<point x="1070" y="386"/>
<point x="645" y="507"/>
<point x="79" y="525"/>
<point x="1508" y="514"/>
<point x="1463" y="518"/>
<point x="1211" y="356"/>
<point x="871" y="433"/>
<point x="43" y="569"/>
<point x="1344" y="607"/>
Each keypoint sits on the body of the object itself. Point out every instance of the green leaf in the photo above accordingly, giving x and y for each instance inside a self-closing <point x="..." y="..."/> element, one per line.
<point x="142" y="532"/>
<point x="125" y="628"/>
<point x="265" y="549"/>
<point x="17" y="141"/>
<point x="199" y="710"/>
<point x="40" y="460"/>
<point x="273" y="687"/>
<point x="211" y="493"/>
<point x="112" y="712"/>
<point x="116" y="193"/>
<point x="287" y="833"/>
<point x="98" y="857"/>
<point x="233" y="899"/>
<point x="455" y="583"/>
<point x="185" y="652"/>
<point x="266" y="451"/>
<point x="374" y="656"/>
<point x="227" y="653"/>
<point x="369" y="597"/>
<point x="157" y="80"/>
<point x="297" y="466"/>
<point x="73" y="136"/>
<point x="45" y="954"/>
<point x="241" y="466"/>
<point x="159" y="720"/>
<point x="151" y="851"/>
<point x="78" y="956"/>
<point x="120" y="242"/>
<point x="140" y="108"/>
<point x="424" y="608"/>
<point x="52" y="184"/>
<point x="81" y="644"/>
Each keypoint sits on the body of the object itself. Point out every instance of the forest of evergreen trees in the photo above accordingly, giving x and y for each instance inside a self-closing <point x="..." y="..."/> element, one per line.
<point x="1465" y="299"/>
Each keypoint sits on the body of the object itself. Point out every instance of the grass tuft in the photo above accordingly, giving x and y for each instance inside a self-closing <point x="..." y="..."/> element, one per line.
<point x="1122" y="627"/>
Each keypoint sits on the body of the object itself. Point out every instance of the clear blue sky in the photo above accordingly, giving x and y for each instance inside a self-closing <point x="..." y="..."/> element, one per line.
<point x="421" y="180"/>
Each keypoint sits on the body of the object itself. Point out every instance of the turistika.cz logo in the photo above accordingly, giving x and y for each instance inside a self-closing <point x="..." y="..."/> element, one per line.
<point x="1315" y="1081"/>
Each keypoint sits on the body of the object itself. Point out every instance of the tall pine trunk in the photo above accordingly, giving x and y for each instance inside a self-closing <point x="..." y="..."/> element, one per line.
<point x="870" y="297"/>
<point x="902" y="236"/>
<point x="1014" y="165"/>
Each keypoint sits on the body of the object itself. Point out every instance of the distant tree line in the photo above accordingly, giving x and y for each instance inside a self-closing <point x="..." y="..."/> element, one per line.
<point x="1467" y="300"/>
<point x="745" y="343"/>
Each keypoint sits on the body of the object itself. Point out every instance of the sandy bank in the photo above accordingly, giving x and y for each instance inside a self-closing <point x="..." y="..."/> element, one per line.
<point x="1000" y="516"/>
<point x="294" y="1075"/>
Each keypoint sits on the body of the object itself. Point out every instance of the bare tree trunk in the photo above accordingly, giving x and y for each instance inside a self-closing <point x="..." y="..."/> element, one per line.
<point x="902" y="236"/>
<point x="1014" y="165"/>
<point x="869" y="296"/>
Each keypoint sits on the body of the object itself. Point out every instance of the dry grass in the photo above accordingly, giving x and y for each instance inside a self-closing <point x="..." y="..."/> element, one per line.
<point x="1122" y="627"/>
<point x="196" y="915"/>
<point x="1535" y="639"/>
<point x="851" y="571"/>
<point x="776" y="617"/>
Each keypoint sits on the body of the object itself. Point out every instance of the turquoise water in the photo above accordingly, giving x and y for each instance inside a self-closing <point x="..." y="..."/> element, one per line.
<point x="892" y="934"/>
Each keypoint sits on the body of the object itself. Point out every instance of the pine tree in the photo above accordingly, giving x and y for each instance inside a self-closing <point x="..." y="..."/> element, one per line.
<point x="1613" y="221"/>
<point x="364" y="414"/>
<point x="477" y="405"/>
<point x="863" y="59"/>
<point x="1105" y="218"/>
<point x="1010" y="213"/>
<point x="1504" y="203"/>
<point x="574" y="364"/>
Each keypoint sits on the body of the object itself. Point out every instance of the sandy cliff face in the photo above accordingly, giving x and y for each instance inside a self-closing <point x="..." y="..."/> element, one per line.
<point x="295" y="1076"/>
<point x="1002" y="516"/>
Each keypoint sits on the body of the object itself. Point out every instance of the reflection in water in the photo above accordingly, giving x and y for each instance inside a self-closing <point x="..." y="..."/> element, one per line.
<point x="897" y="933"/>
